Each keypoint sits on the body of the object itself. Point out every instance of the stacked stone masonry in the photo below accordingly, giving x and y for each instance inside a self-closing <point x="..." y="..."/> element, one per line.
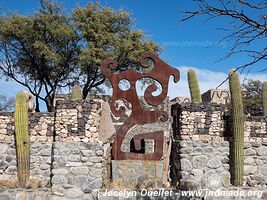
<point x="76" y="170"/>
<point x="77" y="121"/>
<point x="66" y="158"/>
<point x="204" y="165"/>
<point x="201" y="149"/>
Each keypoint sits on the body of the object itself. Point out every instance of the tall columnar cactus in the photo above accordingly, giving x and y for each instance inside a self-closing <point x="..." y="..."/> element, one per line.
<point x="76" y="93"/>
<point x="238" y="128"/>
<point x="264" y="98"/>
<point x="193" y="86"/>
<point x="22" y="139"/>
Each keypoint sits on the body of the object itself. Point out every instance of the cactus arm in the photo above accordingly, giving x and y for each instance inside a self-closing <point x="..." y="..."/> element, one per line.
<point x="238" y="128"/>
<point x="22" y="139"/>
<point x="76" y="93"/>
<point x="194" y="86"/>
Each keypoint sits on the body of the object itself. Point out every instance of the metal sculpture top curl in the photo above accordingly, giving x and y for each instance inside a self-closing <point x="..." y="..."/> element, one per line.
<point x="161" y="73"/>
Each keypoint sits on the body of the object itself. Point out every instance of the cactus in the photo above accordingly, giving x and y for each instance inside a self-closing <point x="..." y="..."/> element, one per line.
<point x="76" y="93"/>
<point x="193" y="86"/>
<point x="264" y="98"/>
<point x="238" y="128"/>
<point x="22" y="139"/>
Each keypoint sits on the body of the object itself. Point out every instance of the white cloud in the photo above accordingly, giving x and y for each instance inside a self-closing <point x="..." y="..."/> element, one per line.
<point x="207" y="80"/>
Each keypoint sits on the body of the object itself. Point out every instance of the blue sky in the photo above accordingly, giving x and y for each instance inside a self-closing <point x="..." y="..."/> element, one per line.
<point x="185" y="44"/>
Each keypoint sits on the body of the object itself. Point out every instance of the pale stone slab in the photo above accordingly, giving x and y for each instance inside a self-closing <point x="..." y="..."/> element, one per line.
<point x="137" y="174"/>
<point x="106" y="127"/>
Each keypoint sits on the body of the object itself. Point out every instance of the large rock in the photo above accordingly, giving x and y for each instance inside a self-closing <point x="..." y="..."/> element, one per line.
<point x="249" y="152"/>
<point x="4" y="197"/>
<point x="3" y="148"/>
<point x="134" y="174"/>
<point x="3" y="164"/>
<point x="74" y="193"/>
<point x="189" y="185"/>
<point x="60" y="171"/>
<point x="22" y="196"/>
<point x="211" y="180"/>
<point x="249" y="160"/>
<point x="214" y="181"/>
<point x="226" y="179"/>
<point x="185" y="165"/>
<point x="263" y="169"/>
<point x="256" y="180"/>
<point x="12" y="170"/>
<point x="58" y="190"/>
<point x="96" y="173"/>
<point x="262" y="151"/>
<point x="96" y="184"/>
<point x="81" y="181"/>
<point x="83" y="170"/>
<point x="59" y="179"/>
<point x="197" y="174"/>
<point x="214" y="163"/>
<point x="250" y="169"/>
<point x="200" y="161"/>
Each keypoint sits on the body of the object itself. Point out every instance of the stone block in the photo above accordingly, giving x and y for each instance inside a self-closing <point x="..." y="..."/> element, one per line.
<point x="216" y="96"/>
<point x="135" y="174"/>
<point x="74" y="193"/>
<point x="3" y="148"/>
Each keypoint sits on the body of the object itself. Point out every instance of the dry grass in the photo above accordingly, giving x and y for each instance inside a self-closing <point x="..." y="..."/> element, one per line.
<point x="117" y="185"/>
<point x="7" y="184"/>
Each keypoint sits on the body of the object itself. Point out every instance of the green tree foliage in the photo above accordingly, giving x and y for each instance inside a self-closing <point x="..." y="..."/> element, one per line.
<point x="107" y="33"/>
<point x="39" y="51"/>
<point x="50" y="50"/>
<point x="252" y="97"/>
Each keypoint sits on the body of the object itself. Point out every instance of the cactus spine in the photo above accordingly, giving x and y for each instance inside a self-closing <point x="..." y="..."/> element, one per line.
<point x="76" y="93"/>
<point x="193" y="86"/>
<point x="22" y="139"/>
<point x="238" y="128"/>
<point x="264" y="98"/>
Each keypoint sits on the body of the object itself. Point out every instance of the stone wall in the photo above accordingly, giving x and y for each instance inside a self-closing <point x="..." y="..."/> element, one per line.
<point x="69" y="159"/>
<point x="77" y="120"/>
<point x="25" y="194"/>
<point x="66" y="158"/>
<point x="41" y="127"/>
<point x="203" y="165"/>
<point x="198" y="121"/>
<point x="255" y="164"/>
<point x="76" y="169"/>
<point x="40" y="165"/>
<point x="201" y="149"/>
<point x="8" y="165"/>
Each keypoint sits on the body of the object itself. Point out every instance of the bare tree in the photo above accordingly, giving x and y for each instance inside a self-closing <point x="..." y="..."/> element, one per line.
<point x="247" y="26"/>
<point x="6" y="104"/>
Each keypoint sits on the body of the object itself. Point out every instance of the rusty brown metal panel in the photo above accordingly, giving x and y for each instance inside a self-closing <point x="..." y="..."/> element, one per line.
<point x="161" y="72"/>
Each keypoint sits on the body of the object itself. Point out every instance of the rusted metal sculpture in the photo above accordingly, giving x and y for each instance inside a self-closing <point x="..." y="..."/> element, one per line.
<point x="161" y="73"/>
